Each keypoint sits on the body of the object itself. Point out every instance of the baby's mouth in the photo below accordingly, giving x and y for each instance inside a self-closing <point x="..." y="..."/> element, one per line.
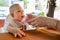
<point x="22" y="17"/>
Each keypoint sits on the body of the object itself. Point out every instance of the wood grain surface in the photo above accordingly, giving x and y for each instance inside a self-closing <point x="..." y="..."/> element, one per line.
<point x="30" y="35"/>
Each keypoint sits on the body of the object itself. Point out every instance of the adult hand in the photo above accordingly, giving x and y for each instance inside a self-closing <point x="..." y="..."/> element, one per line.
<point x="38" y="22"/>
<point x="30" y="16"/>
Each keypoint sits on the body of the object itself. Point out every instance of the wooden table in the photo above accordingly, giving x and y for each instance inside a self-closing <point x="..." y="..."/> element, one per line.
<point x="31" y="35"/>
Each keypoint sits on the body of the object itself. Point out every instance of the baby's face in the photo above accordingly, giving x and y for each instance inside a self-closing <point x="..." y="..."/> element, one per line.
<point x="18" y="13"/>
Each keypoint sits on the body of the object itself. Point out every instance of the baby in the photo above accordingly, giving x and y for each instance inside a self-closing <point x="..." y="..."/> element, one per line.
<point x="14" y="20"/>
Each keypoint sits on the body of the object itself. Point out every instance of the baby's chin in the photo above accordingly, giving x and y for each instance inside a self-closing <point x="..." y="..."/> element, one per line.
<point x="20" y="19"/>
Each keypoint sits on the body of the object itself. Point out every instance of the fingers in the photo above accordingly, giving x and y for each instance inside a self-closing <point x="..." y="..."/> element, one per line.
<point x="29" y="21"/>
<point x="35" y="24"/>
<point x="16" y="31"/>
<point x="32" y="20"/>
<point x="21" y="32"/>
<point x="15" y="35"/>
<point x="24" y="27"/>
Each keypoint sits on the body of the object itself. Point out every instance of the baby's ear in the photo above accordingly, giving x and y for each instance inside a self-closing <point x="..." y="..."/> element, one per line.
<point x="12" y="14"/>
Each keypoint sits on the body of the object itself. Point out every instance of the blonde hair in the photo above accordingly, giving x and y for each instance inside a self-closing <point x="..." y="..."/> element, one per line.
<point x="12" y="8"/>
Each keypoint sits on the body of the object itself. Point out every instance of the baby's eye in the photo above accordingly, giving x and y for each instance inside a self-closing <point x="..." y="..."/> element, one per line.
<point x="18" y="11"/>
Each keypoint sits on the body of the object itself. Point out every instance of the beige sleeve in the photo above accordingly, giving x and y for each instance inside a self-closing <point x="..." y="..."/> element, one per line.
<point x="51" y="23"/>
<point x="58" y="25"/>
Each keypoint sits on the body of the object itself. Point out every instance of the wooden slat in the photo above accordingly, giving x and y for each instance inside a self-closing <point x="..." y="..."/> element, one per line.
<point x="49" y="31"/>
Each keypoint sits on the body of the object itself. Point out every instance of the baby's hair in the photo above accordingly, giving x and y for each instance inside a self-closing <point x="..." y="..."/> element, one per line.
<point x="12" y="8"/>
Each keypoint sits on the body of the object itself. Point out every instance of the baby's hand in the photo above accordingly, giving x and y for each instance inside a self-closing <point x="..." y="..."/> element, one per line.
<point x="16" y="31"/>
